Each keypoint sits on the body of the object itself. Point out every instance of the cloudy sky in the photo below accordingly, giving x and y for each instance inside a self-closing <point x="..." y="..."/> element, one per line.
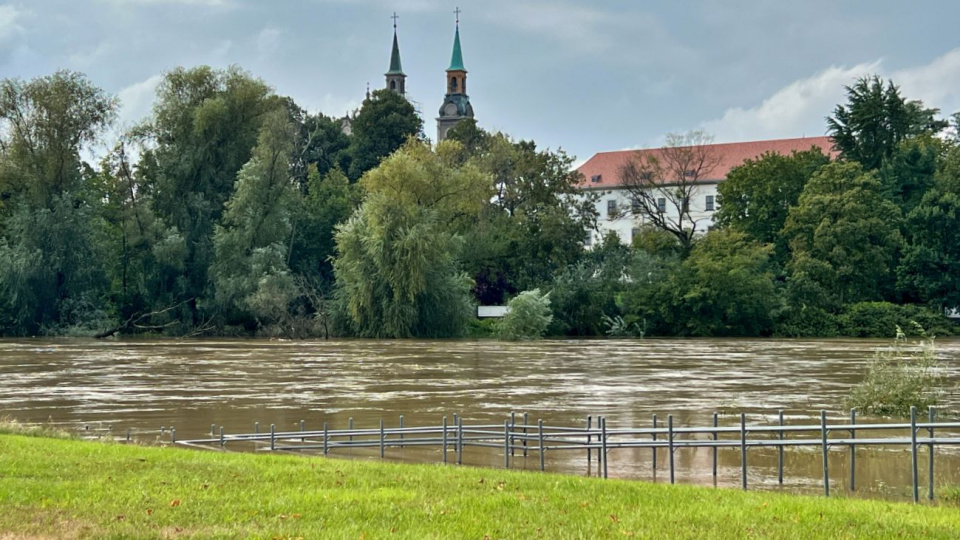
<point x="584" y="76"/>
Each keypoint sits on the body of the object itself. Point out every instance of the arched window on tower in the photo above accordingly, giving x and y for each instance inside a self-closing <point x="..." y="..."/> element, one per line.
<point x="453" y="85"/>
<point x="393" y="85"/>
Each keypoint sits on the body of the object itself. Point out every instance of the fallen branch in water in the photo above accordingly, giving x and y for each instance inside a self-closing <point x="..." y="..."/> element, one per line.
<point x="135" y="320"/>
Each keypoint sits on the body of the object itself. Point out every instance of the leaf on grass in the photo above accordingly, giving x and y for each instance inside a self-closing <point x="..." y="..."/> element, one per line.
<point x="175" y="503"/>
<point x="614" y="518"/>
<point x="149" y="511"/>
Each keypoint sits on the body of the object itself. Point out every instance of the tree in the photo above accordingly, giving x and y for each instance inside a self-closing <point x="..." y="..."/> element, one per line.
<point x="930" y="268"/>
<point x="203" y="130"/>
<point x="250" y="273"/>
<point x="908" y="173"/>
<point x="52" y="248"/>
<point x="385" y="122"/>
<point x="724" y="288"/>
<point x="320" y="142"/>
<point x="396" y="267"/>
<point x="844" y="236"/>
<point x="876" y="119"/>
<point x="673" y="174"/>
<point x="535" y="223"/>
<point x="757" y="195"/>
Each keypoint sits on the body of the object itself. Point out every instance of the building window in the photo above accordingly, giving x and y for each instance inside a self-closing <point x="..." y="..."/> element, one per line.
<point x="635" y="205"/>
<point x="661" y="205"/>
<point x="689" y="173"/>
<point x="588" y="239"/>
<point x="611" y="208"/>
<point x="393" y="85"/>
<point x="634" y="232"/>
<point x="596" y="178"/>
<point x="453" y="85"/>
<point x="710" y="205"/>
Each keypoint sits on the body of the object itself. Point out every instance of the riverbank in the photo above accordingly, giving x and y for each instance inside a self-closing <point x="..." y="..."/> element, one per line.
<point x="74" y="489"/>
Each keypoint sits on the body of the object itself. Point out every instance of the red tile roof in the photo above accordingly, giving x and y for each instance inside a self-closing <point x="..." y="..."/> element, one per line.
<point x="607" y="165"/>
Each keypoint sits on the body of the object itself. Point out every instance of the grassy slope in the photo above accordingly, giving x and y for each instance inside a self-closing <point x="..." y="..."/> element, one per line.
<point x="64" y="489"/>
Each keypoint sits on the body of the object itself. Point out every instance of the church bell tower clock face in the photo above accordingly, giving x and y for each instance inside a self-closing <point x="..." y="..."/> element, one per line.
<point x="450" y="109"/>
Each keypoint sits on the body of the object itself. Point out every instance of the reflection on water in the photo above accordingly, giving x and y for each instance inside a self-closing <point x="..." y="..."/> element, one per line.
<point x="193" y="384"/>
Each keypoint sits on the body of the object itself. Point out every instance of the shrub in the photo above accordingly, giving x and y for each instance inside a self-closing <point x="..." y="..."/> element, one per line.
<point x="899" y="378"/>
<point x="806" y="321"/>
<point x="878" y="319"/>
<point x="528" y="318"/>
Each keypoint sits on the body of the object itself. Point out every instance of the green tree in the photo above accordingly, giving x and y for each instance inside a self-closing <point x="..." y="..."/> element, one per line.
<point x="528" y="318"/>
<point x="320" y="142"/>
<point x="383" y="125"/>
<point x="396" y="268"/>
<point x="844" y="237"/>
<point x="204" y="126"/>
<point x="724" y="288"/>
<point x="876" y="119"/>
<point x="249" y="271"/>
<point x="51" y="247"/>
<point x="535" y="223"/>
<point x="909" y="172"/>
<point x="330" y="200"/>
<point x="757" y="195"/>
<point x="930" y="268"/>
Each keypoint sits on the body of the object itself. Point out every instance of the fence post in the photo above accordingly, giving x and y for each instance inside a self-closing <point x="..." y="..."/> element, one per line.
<point x="301" y="431"/>
<point x="826" y="461"/>
<point x="513" y="423"/>
<point x="350" y="427"/>
<point x="401" y="432"/>
<point x="173" y="435"/>
<point x="223" y="439"/>
<point x="256" y="428"/>
<point x="913" y="452"/>
<point x="932" y="416"/>
<point x="603" y="435"/>
<point x="716" y="438"/>
<point x="213" y="430"/>
<point x="459" y="440"/>
<point x="853" y="451"/>
<point x="654" y="446"/>
<point x="525" y="424"/>
<point x="444" y="438"/>
<point x="589" y="440"/>
<point x="780" y="452"/>
<point x="273" y="436"/>
<point x="743" y="451"/>
<point x="540" y="436"/>
<point x="326" y="439"/>
<point x="670" y="443"/>
<point x="383" y="440"/>
<point x="506" y="444"/>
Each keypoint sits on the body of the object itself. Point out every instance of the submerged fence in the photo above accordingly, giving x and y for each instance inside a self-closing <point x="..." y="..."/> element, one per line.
<point x="517" y="435"/>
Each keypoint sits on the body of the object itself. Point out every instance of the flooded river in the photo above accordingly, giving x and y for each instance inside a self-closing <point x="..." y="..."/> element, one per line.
<point x="193" y="384"/>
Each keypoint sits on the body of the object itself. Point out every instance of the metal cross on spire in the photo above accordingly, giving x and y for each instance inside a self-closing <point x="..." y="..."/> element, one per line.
<point x="395" y="17"/>
<point x="457" y="12"/>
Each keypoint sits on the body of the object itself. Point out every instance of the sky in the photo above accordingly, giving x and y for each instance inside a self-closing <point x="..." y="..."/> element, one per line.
<point x="583" y="76"/>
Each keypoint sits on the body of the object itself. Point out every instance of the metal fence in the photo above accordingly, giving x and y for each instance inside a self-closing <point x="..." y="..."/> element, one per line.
<point x="517" y="435"/>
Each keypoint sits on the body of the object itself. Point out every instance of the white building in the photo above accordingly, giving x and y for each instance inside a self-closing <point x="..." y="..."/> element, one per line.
<point x="601" y="174"/>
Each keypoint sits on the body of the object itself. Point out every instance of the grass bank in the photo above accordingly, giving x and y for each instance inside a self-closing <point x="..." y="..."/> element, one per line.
<point x="57" y="488"/>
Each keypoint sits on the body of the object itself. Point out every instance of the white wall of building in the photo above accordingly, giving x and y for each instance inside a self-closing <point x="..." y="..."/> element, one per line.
<point x="624" y="222"/>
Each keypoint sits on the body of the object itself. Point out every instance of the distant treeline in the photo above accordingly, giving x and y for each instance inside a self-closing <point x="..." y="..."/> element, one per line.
<point x="232" y="211"/>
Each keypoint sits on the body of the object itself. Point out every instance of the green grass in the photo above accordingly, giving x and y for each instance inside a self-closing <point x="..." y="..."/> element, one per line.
<point x="60" y="488"/>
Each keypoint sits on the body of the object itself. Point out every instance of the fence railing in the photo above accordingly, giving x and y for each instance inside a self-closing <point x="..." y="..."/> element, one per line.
<point x="517" y="435"/>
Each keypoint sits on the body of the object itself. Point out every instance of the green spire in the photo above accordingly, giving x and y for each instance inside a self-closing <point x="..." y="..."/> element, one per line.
<point x="395" y="67"/>
<point x="456" y="62"/>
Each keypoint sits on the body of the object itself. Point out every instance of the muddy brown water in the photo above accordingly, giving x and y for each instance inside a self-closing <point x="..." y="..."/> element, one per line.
<point x="142" y="385"/>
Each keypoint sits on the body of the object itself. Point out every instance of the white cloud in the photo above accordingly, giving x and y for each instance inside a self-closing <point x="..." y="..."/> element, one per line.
<point x="10" y="17"/>
<point x="796" y="109"/>
<point x="268" y="41"/>
<point x="136" y="100"/>
<point x="801" y="107"/>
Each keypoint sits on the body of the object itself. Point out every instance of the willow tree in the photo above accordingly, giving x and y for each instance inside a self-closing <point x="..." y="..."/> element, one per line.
<point x="51" y="257"/>
<point x="397" y="270"/>
<point x="251" y="244"/>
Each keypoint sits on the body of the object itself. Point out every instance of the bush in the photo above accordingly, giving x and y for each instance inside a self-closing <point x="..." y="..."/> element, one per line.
<point x="900" y="378"/>
<point x="806" y="321"/>
<point x="878" y="319"/>
<point x="528" y="318"/>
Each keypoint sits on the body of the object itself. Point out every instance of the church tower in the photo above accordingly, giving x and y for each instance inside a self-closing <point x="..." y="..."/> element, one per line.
<point x="396" y="78"/>
<point x="456" y="104"/>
